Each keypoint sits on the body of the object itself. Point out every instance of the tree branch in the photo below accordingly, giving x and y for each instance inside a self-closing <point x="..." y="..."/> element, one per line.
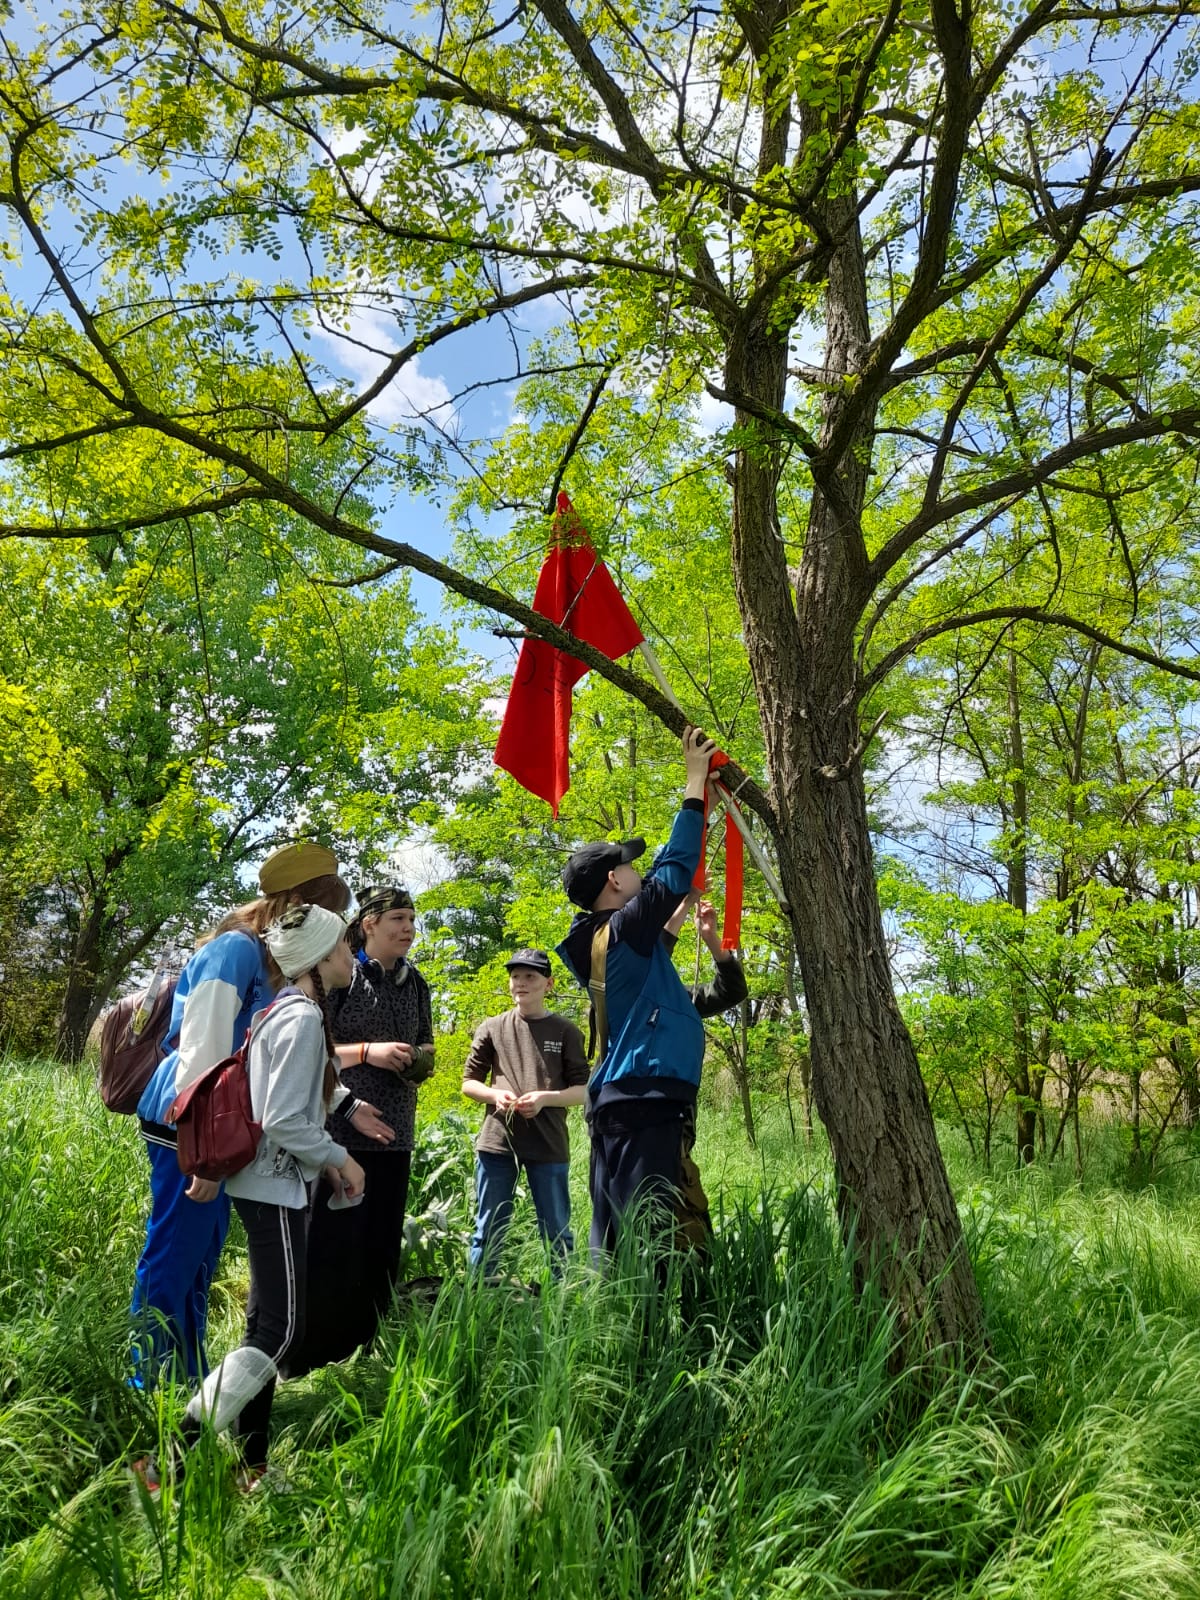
<point x="1054" y="619"/>
<point x="1092" y="443"/>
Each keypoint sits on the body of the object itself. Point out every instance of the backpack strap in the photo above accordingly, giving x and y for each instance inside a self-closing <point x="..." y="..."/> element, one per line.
<point x="598" y="1022"/>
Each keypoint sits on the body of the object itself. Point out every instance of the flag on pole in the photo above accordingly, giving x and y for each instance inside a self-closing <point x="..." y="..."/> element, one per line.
<point x="576" y="590"/>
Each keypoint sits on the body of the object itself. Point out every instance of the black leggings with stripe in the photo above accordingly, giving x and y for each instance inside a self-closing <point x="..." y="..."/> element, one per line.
<point x="274" y="1308"/>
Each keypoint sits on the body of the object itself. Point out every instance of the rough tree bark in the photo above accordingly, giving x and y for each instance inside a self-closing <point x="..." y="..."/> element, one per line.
<point x="894" y="1197"/>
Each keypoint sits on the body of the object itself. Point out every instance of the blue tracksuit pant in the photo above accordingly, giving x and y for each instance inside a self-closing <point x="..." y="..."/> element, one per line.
<point x="176" y="1267"/>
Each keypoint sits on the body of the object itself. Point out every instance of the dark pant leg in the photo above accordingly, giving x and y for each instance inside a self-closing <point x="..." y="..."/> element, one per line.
<point x="693" y="1220"/>
<point x="386" y="1197"/>
<point x="275" y="1308"/>
<point x="336" y="1258"/>
<point x="353" y="1261"/>
<point x="635" y="1165"/>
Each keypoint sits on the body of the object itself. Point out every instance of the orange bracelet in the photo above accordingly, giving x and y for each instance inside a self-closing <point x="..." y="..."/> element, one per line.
<point x="362" y="1053"/>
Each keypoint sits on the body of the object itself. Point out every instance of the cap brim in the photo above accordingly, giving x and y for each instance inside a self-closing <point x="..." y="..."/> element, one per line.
<point x="631" y="849"/>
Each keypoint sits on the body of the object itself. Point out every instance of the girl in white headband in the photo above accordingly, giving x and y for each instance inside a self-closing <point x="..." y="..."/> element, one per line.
<point x="293" y="1084"/>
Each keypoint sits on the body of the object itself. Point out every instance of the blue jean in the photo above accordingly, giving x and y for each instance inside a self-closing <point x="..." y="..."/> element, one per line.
<point x="495" y="1185"/>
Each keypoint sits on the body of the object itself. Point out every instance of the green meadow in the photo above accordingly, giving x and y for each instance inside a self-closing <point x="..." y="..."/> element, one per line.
<point x="749" y="1434"/>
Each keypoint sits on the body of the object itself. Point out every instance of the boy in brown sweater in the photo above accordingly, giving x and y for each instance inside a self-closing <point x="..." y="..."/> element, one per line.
<point x="527" y="1067"/>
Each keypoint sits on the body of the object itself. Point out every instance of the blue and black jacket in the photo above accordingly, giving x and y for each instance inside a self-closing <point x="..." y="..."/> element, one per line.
<point x="655" y="1035"/>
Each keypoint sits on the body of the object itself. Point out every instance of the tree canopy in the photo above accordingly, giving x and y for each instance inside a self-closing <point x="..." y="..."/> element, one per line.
<point x="174" y="700"/>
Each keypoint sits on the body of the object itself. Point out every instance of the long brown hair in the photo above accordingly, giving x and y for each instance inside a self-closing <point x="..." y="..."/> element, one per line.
<point x="256" y="916"/>
<point x="330" y="1080"/>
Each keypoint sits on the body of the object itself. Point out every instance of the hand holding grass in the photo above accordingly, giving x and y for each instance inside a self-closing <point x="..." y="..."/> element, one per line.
<point x="347" y="1180"/>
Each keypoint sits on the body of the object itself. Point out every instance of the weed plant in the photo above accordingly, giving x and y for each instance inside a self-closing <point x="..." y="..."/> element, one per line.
<point x="743" y="1434"/>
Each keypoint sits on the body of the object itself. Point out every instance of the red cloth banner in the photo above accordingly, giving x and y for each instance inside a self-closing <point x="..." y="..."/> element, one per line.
<point x="576" y="590"/>
<point x="735" y="874"/>
<point x="735" y="867"/>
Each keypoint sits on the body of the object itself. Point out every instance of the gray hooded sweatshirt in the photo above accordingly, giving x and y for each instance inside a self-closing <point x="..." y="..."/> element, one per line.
<point x="287" y="1069"/>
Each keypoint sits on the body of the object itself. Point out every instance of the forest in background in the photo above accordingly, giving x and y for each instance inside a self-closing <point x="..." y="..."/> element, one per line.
<point x="1033" y="802"/>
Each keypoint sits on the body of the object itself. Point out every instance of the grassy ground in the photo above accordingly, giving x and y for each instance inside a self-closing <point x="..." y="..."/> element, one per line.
<point x="589" y="1442"/>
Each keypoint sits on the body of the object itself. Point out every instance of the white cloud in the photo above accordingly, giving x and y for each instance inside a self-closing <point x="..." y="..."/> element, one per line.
<point x="713" y="414"/>
<point x="419" y="864"/>
<point x="363" y="349"/>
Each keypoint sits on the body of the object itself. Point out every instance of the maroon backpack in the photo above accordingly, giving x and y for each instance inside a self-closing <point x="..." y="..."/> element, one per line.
<point x="131" y="1041"/>
<point x="214" y="1117"/>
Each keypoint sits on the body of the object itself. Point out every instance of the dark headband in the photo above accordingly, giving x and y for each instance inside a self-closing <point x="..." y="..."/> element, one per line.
<point x="379" y="898"/>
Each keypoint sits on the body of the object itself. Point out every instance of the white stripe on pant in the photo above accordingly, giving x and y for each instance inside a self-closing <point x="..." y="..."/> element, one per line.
<point x="274" y="1322"/>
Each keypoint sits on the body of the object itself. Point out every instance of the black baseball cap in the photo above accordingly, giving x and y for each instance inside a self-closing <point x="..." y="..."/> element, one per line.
<point x="537" y="959"/>
<point x="585" y="873"/>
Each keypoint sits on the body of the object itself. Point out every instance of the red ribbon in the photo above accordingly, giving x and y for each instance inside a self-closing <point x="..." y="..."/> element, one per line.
<point x="731" y="932"/>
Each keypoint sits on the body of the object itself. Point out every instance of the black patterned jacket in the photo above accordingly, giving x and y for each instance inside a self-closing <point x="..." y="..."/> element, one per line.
<point x="377" y="1007"/>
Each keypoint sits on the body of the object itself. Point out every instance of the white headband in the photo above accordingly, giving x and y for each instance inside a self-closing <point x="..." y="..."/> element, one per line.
<point x="298" y="949"/>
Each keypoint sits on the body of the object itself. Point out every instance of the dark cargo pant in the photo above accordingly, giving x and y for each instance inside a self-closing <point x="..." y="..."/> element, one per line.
<point x="642" y="1156"/>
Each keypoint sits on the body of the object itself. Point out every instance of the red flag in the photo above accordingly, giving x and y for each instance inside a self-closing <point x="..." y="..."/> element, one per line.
<point x="731" y="932"/>
<point x="576" y="590"/>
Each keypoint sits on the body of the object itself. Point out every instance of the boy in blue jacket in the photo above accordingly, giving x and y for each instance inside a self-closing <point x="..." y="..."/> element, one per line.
<point x="642" y="1097"/>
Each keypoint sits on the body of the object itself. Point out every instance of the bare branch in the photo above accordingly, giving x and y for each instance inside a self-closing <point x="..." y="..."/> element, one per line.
<point x="1094" y="442"/>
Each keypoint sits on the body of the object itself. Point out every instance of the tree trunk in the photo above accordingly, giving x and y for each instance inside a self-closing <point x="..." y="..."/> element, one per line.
<point x="742" y="1056"/>
<point x="84" y="991"/>
<point x="1017" y="867"/>
<point x="1136" y="1165"/>
<point x="894" y="1197"/>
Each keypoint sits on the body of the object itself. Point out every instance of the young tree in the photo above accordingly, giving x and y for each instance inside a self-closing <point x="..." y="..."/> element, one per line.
<point x="933" y="258"/>
<point x="1060" y="940"/>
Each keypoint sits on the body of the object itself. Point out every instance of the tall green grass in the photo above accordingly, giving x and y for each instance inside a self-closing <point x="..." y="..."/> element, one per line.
<point x="744" y="1434"/>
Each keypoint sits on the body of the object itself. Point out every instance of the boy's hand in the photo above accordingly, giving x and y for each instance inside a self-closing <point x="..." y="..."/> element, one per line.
<point x="706" y="921"/>
<point x="698" y="750"/>
<point x="679" y="916"/>
<point x="531" y="1103"/>
<point x="504" y="1101"/>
